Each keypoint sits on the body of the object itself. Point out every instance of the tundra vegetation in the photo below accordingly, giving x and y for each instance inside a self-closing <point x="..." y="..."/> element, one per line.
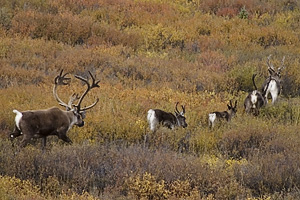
<point x="152" y="54"/>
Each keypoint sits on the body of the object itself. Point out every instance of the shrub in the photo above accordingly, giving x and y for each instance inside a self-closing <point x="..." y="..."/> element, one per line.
<point x="283" y="111"/>
<point x="246" y="140"/>
<point x="5" y="17"/>
<point x="269" y="174"/>
<point x="243" y="14"/>
<point x="146" y="187"/>
<point x="12" y="187"/>
<point x="66" y="27"/>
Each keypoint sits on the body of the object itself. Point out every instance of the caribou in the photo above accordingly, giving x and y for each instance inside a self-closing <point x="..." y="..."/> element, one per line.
<point x="255" y="100"/>
<point x="213" y="117"/>
<point x="158" y="117"/>
<point x="54" y="121"/>
<point x="273" y="83"/>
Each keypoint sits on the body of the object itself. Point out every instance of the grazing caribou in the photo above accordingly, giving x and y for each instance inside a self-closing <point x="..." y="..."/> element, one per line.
<point x="158" y="117"/>
<point x="255" y="100"/>
<point x="273" y="83"/>
<point x="213" y="117"/>
<point x="54" y="121"/>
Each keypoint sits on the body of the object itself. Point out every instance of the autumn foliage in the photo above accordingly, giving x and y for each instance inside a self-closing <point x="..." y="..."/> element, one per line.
<point x="152" y="54"/>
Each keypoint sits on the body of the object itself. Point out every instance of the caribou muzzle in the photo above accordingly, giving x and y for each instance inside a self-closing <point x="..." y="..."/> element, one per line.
<point x="80" y="124"/>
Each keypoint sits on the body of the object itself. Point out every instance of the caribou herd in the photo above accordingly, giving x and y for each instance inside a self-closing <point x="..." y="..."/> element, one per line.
<point x="55" y="121"/>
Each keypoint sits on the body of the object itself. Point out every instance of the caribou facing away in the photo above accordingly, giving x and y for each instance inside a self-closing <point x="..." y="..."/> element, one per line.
<point x="54" y="121"/>
<point x="158" y="117"/>
<point x="272" y="84"/>
<point x="255" y="100"/>
<point x="213" y="117"/>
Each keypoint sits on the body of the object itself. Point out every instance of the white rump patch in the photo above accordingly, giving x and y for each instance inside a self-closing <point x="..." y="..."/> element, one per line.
<point x="212" y="117"/>
<point x="254" y="98"/>
<point x="18" y="118"/>
<point x="152" y="120"/>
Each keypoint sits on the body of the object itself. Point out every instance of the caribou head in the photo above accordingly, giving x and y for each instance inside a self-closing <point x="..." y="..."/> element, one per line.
<point x="78" y="111"/>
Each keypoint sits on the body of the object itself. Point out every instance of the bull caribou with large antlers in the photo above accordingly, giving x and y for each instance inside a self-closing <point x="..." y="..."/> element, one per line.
<point x="54" y="121"/>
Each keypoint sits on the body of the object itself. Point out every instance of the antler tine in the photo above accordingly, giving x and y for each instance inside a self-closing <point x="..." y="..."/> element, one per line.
<point x="89" y="87"/>
<point x="176" y="109"/>
<point x="60" y="80"/>
<point x="269" y="62"/>
<point x="282" y="66"/>
<point x="94" y="84"/>
<point x="73" y="98"/>
<point x="230" y="103"/>
<point x="183" y="109"/>
<point x="90" y="106"/>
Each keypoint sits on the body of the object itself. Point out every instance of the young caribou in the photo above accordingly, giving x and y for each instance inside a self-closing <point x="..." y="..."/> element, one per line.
<point x="255" y="100"/>
<point x="213" y="117"/>
<point x="272" y="84"/>
<point x="158" y="117"/>
<point x="53" y="121"/>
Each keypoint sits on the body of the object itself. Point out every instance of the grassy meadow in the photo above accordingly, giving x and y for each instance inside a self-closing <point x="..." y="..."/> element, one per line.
<point x="152" y="54"/>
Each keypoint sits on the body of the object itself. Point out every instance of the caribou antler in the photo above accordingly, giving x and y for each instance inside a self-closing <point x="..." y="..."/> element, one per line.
<point x="89" y="87"/>
<point x="230" y="104"/>
<point x="282" y="66"/>
<point x="61" y="80"/>
<point x="270" y="65"/>
<point x="177" y="111"/>
<point x="183" y="109"/>
<point x="73" y="98"/>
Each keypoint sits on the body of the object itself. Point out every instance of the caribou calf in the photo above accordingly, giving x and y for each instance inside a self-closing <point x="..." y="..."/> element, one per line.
<point x="255" y="100"/>
<point x="53" y="121"/>
<point x="158" y="117"/>
<point x="213" y="117"/>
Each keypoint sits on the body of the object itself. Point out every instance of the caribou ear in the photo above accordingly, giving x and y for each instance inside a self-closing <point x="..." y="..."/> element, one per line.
<point x="229" y="107"/>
